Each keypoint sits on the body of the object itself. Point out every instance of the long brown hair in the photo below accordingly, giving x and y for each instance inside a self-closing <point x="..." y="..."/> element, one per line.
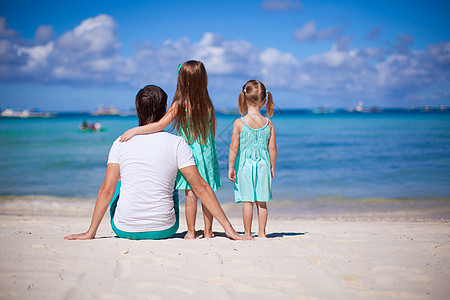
<point x="195" y="114"/>
<point x="255" y="92"/>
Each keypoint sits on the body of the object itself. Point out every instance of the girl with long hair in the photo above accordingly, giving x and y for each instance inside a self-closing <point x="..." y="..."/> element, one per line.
<point x="195" y="120"/>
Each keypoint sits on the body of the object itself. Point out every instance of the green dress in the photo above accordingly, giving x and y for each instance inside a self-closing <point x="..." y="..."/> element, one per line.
<point x="253" y="178"/>
<point x="205" y="157"/>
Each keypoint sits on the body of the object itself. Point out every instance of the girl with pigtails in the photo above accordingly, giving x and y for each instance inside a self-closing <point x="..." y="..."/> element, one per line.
<point x="253" y="153"/>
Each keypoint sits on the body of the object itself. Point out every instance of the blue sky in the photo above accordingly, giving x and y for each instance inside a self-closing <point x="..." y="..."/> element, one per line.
<point x="76" y="55"/>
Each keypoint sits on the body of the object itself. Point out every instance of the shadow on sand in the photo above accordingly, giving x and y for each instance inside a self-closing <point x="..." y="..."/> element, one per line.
<point x="199" y="234"/>
<point x="283" y="234"/>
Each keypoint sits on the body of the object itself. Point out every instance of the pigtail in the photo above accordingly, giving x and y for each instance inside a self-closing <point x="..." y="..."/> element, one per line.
<point x="242" y="103"/>
<point x="269" y="107"/>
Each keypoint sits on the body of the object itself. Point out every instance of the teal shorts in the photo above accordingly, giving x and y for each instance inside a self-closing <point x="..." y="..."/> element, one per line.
<point x="146" y="235"/>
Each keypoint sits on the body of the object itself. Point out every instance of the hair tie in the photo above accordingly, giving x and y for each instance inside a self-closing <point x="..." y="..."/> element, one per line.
<point x="267" y="91"/>
<point x="179" y="68"/>
<point x="245" y="91"/>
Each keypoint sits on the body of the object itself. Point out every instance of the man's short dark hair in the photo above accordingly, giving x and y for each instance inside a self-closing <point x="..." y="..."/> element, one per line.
<point x="151" y="104"/>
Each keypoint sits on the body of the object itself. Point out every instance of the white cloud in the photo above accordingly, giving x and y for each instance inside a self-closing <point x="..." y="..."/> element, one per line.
<point x="272" y="56"/>
<point x="93" y="36"/>
<point x="376" y="74"/>
<point x="281" y="5"/>
<point x="37" y="56"/>
<point x="309" y="33"/>
<point x="223" y="56"/>
<point x="44" y="34"/>
<point x="4" y="29"/>
<point x="374" y="34"/>
<point x="89" y="55"/>
<point x="441" y="53"/>
<point x="8" y="55"/>
<point x="406" y="39"/>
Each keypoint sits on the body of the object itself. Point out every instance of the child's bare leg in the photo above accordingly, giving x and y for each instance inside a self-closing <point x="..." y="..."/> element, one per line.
<point x="262" y="218"/>
<point x="191" y="213"/>
<point x="247" y="216"/>
<point x="208" y="219"/>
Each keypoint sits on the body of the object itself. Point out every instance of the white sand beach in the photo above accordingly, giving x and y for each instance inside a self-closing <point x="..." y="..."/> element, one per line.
<point x="303" y="258"/>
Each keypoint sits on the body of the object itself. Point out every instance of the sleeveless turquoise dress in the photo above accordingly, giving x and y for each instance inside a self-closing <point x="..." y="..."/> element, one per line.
<point x="205" y="157"/>
<point x="253" y="179"/>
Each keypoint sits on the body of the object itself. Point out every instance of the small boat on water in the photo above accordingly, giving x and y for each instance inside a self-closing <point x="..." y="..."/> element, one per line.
<point x="9" y="113"/>
<point x="112" y="111"/>
<point x="92" y="127"/>
<point x="106" y="111"/>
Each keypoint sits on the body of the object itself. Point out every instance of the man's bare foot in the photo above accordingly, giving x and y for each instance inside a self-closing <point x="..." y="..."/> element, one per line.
<point x="190" y="236"/>
<point x="262" y="236"/>
<point x="232" y="234"/>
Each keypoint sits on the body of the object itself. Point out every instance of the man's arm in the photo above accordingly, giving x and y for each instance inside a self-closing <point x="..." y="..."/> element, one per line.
<point x="104" y="197"/>
<point x="208" y="198"/>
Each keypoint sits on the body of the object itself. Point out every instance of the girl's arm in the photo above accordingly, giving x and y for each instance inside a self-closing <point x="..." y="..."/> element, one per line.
<point x="272" y="149"/>
<point x="234" y="148"/>
<point x="152" y="127"/>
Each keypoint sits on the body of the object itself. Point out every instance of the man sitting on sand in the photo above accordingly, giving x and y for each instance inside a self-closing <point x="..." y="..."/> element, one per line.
<point x="148" y="165"/>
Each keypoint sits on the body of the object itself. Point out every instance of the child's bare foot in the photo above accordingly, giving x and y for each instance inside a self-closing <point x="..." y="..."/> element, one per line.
<point x="248" y="237"/>
<point x="207" y="234"/>
<point x="262" y="233"/>
<point x="190" y="236"/>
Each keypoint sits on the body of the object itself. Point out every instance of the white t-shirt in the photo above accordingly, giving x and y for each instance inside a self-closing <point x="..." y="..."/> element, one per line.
<point x="148" y="168"/>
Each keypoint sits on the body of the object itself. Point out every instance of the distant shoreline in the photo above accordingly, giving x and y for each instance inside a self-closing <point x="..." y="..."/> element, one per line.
<point x="322" y="110"/>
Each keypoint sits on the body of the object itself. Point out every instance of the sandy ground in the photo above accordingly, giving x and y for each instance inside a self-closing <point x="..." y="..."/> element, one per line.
<point x="326" y="258"/>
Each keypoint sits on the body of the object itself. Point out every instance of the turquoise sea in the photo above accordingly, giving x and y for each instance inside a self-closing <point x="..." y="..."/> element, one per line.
<point x="322" y="158"/>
